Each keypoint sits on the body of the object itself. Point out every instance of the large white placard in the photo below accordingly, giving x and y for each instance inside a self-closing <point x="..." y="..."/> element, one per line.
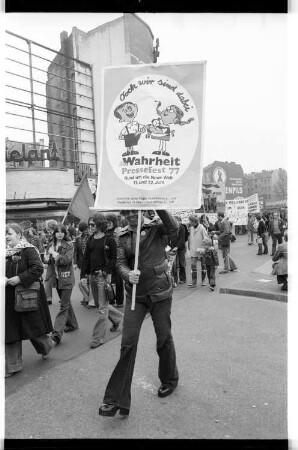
<point x="152" y="125"/>
<point x="237" y="210"/>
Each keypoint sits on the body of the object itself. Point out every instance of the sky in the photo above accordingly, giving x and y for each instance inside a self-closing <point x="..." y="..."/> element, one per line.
<point x="245" y="104"/>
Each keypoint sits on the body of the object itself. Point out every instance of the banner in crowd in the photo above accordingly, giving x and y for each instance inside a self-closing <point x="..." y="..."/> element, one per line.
<point x="237" y="210"/>
<point x="184" y="215"/>
<point x="253" y="204"/>
<point x="152" y="126"/>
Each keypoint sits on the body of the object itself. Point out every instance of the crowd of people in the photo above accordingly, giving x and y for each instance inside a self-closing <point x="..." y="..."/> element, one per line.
<point x="103" y="250"/>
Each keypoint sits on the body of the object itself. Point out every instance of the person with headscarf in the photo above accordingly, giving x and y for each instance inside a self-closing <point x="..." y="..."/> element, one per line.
<point x="23" y="266"/>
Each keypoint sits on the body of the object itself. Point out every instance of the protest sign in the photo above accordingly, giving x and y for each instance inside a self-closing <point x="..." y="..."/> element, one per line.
<point x="237" y="210"/>
<point x="253" y="203"/>
<point x="152" y="126"/>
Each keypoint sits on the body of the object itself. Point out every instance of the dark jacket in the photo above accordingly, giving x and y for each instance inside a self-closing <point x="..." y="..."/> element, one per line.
<point x="178" y="239"/>
<point x="154" y="281"/>
<point x="27" y="325"/>
<point x="271" y="226"/>
<point x="66" y="279"/>
<point x="261" y="227"/>
<point x="78" y="249"/>
<point x="211" y="257"/>
<point x="224" y="236"/>
<point x="104" y="259"/>
<point x="186" y="231"/>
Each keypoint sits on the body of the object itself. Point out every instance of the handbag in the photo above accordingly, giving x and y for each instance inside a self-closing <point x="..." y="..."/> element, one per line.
<point x="27" y="298"/>
<point x="109" y="291"/>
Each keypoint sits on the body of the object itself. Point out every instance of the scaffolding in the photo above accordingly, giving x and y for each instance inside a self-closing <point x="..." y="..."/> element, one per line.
<point x="49" y="108"/>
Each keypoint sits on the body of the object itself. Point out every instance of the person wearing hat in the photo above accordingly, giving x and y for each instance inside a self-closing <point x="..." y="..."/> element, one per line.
<point x="99" y="261"/>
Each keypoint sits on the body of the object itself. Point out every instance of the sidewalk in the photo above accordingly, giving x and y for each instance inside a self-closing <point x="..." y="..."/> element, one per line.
<point x="253" y="278"/>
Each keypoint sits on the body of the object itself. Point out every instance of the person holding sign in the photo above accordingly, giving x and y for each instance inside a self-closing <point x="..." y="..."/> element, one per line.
<point x="153" y="295"/>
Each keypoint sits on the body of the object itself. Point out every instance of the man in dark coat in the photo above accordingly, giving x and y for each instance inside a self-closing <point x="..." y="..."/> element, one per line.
<point x="178" y="241"/>
<point x="153" y="295"/>
<point x="276" y="231"/>
<point x="224" y="241"/>
<point x="262" y="238"/>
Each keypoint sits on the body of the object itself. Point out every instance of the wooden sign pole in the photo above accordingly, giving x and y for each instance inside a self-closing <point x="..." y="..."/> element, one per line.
<point x="134" y="286"/>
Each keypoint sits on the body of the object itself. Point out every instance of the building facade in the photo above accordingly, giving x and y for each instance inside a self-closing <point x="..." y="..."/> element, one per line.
<point x="270" y="185"/>
<point x="228" y="176"/>
<point x="66" y="122"/>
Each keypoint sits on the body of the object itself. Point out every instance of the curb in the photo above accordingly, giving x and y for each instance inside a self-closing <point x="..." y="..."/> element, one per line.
<point x="258" y="294"/>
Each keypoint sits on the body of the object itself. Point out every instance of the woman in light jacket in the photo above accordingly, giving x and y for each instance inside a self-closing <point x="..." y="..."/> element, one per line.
<point x="61" y="273"/>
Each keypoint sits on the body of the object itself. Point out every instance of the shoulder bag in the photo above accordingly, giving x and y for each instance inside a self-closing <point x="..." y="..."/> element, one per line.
<point x="27" y="298"/>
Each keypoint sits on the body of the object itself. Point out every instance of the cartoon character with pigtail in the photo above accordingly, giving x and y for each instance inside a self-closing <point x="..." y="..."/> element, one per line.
<point x="160" y="129"/>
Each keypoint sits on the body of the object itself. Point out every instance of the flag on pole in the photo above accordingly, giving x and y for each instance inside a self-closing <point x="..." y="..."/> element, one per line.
<point x="81" y="201"/>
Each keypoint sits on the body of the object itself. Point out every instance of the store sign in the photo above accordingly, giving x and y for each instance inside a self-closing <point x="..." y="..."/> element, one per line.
<point x="18" y="151"/>
<point x="151" y="150"/>
<point x="34" y="215"/>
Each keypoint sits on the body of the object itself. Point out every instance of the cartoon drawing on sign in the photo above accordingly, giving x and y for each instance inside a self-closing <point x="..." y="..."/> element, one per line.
<point x="126" y="112"/>
<point x="159" y="128"/>
<point x="149" y="119"/>
<point x="157" y="131"/>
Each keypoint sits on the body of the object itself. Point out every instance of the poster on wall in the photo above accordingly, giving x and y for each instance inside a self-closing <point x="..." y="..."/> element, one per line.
<point x="151" y="149"/>
<point x="237" y="210"/>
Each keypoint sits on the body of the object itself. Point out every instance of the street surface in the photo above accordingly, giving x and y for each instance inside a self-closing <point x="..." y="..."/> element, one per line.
<point x="231" y="356"/>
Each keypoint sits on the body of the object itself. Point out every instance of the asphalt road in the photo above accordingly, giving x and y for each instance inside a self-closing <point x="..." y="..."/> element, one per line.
<point x="232" y="361"/>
